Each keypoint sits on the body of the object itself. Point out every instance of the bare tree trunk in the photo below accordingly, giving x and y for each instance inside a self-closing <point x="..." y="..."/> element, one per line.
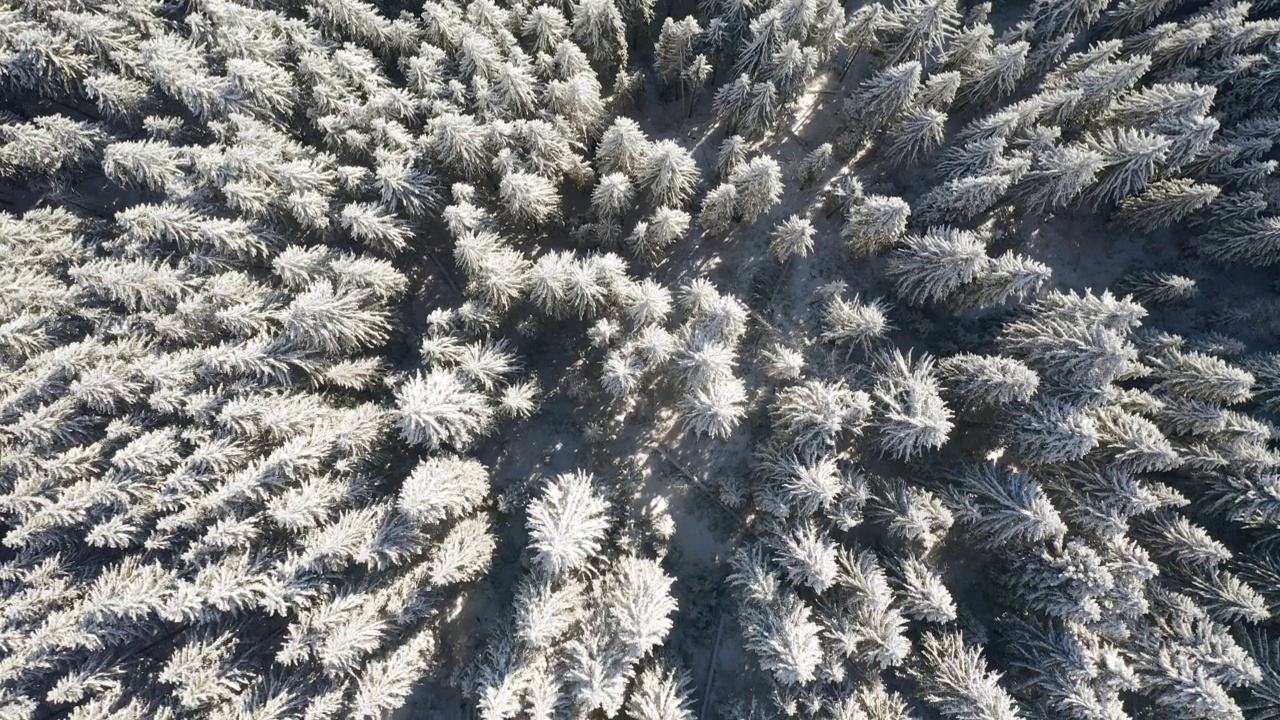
<point x="848" y="64"/>
<point x="709" y="685"/>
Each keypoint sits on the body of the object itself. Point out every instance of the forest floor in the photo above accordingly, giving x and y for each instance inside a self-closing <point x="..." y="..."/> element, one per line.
<point x="1084" y="253"/>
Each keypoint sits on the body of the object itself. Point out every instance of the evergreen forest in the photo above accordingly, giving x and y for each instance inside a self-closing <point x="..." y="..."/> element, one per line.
<point x="639" y="359"/>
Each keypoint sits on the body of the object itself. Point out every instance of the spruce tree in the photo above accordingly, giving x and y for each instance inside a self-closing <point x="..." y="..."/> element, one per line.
<point x="793" y="236"/>
<point x="1131" y="158"/>
<point x="567" y="523"/>
<point x="1155" y="287"/>
<point x="932" y="266"/>
<point x="719" y="209"/>
<point x="1164" y="203"/>
<point x="918" y="29"/>
<point x="439" y="408"/>
<point x="874" y="223"/>
<point x="1059" y="176"/>
<point x="853" y="322"/>
<point x="919" y="132"/>
<point x="1003" y="506"/>
<point x="955" y="680"/>
<point x="675" y="48"/>
<point x="988" y="379"/>
<point x="599" y="30"/>
<point x="731" y="155"/>
<point x="612" y="196"/>
<point x="815" y="413"/>
<point x="714" y="408"/>
<point x="759" y="187"/>
<point x="761" y="109"/>
<point x="999" y="73"/>
<point x="815" y="164"/>
<point x="913" y="417"/>
<point x="886" y="95"/>
<point x="669" y="173"/>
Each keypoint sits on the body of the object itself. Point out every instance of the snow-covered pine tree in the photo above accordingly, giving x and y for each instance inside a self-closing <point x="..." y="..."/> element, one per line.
<point x="1050" y="431"/>
<point x="815" y="413"/>
<point x="613" y="196"/>
<point x="647" y="303"/>
<point x="1048" y="655"/>
<point x="48" y="145"/>
<point x="917" y="133"/>
<point x="545" y="26"/>
<point x="913" y="417"/>
<point x="1196" y="376"/>
<point x="714" y="408"/>
<point x="147" y="164"/>
<point x="1156" y="287"/>
<point x="638" y="599"/>
<point x="668" y="172"/>
<point x="567" y="522"/>
<point x="1004" y="277"/>
<point x="439" y="408"/>
<point x="456" y="140"/>
<point x="815" y="163"/>
<point x="1130" y="159"/>
<point x="1133" y="441"/>
<point x="854" y="323"/>
<point x="1130" y="16"/>
<point x="778" y="626"/>
<point x="1164" y="203"/>
<point x="954" y="679"/>
<point x="1058" y="177"/>
<point x="921" y="592"/>
<point x="760" y="109"/>
<point x="940" y="90"/>
<point x="792" y="237"/>
<point x="874" y="223"/>
<point x="404" y="185"/>
<point x="998" y="75"/>
<point x="661" y="693"/>
<point x="791" y="67"/>
<point x="598" y="29"/>
<point x="918" y="30"/>
<point x="759" y="187"/>
<point x="730" y="102"/>
<point x="1172" y="538"/>
<point x="675" y="48"/>
<point x="932" y="266"/>
<point x="1003" y="506"/>
<point x="808" y="556"/>
<point x="783" y="363"/>
<point x="885" y="96"/>
<point x="730" y="156"/>
<point x="807" y="481"/>
<point x="335" y="320"/>
<point x="496" y="274"/>
<point x="859" y="33"/>
<point x="375" y="226"/>
<point x="1077" y="344"/>
<point x="862" y="621"/>
<point x="528" y="197"/>
<point x="976" y="156"/>
<point x="910" y="515"/>
<point x="443" y="487"/>
<point x="1254" y="241"/>
<point x="987" y="379"/>
<point x="577" y="99"/>
<point x="765" y="33"/>
<point x="659" y="231"/>
<point x="623" y="148"/>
